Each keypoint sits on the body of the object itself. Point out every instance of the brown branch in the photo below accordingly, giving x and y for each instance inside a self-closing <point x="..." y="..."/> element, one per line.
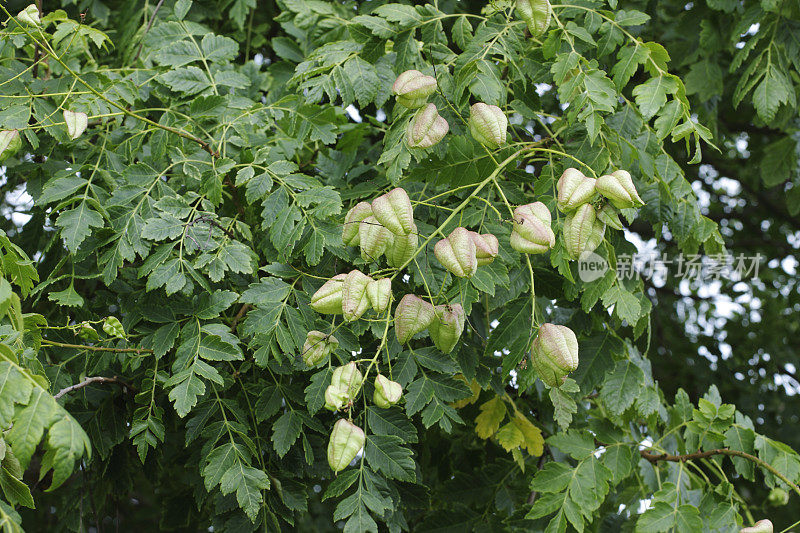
<point x="96" y="348"/>
<point x="656" y="457"/>
<point x="37" y="51"/>
<point x="239" y="316"/>
<point x="95" y="379"/>
<point x="147" y="29"/>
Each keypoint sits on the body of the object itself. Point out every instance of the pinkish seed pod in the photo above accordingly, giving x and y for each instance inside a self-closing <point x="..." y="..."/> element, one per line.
<point x="374" y="239"/>
<point x="554" y="353"/>
<point x="318" y="347"/>
<point x="387" y="392"/>
<point x="457" y="253"/>
<point x="30" y="16"/>
<point x="393" y="210"/>
<point x="580" y="231"/>
<point x="379" y="293"/>
<point x="412" y="88"/>
<point x="574" y="189"/>
<point x="347" y="379"/>
<point x="354" y="295"/>
<point x="426" y="128"/>
<point x="412" y="315"/>
<point x="335" y="399"/>
<point x="402" y="248"/>
<point x="447" y="326"/>
<point x="328" y="298"/>
<point x="619" y="189"/>
<point x="486" y="247"/>
<point x="346" y="441"/>
<point x="532" y="233"/>
<point x="488" y="125"/>
<point x="536" y="14"/>
<point x="762" y="526"/>
<point x="10" y="143"/>
<point x="352" y="222"/>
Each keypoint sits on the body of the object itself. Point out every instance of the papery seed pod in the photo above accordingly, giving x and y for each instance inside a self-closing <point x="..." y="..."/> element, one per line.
<point x="393" y="210"/>
<point x="596" y="237"/>
<point x="574" y="189"/>
<point x="536" y="14"/>
<point x="379" y="293"/>
<point x="609" y="215"/>
<point x="402" y="248"/>
<point x="352" y="222"/>
<point x="412" y="88"/>
<point x="328" y="298"/>
<point x="30" y="16"/>
<point x="554" y="353"/>
<point x="354" y="295"/>
<point x="76" y="123"/>
<point x="318" y="347"/>
<point x="447" y="326"/>
<point x="412" y="315"/>
<point x="346" y="441"/>
<point x="335" y="398"/>
<point x="426" y="128"/>
<point x="373" y="238"/>
<point x="619" y="189"/>
<point x="488" y="125"/>
<point x="457" y="253"/>
<point x="486" y="247"/>
<point x="387" y="392"/>
<point x="10" y="143"/>
<point x="778" y="497"/>
<point x="578" y="229"/>
<point x="532" y="233"/>
<point x="762" y="526"/>
<point x="347" y="379"/>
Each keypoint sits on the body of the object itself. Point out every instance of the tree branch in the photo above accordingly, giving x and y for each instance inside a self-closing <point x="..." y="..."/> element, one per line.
<point x="655" y="458"/>
<point x="96" y="348"/>
<point x="95" y="379"/>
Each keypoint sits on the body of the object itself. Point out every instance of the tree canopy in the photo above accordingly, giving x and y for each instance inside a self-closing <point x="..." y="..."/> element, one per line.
<point x="308" y="265"/>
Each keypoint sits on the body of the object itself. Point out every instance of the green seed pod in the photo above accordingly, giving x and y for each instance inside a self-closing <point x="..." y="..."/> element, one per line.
<point x="318" y="347"/>
<point x="30" y="16"/>
<point x="352" y="222"/>
<point x="379" y="293"/>
<point x="488" y="125"/>
<point x="347" y="380"/>
<point x="393" y="210"/>
<point x="574" y="189"/>
<point x="373" y="238"/>
<point x="412" y="88"/>
<point x="354" y="295"/>
<point x="447" y="326"/>
<point x="778" y="497"/>
<point x="10" y="143"/>
<point x="554" y="353"/>
<point x="387" y="392"/>
<point x="402" y="248"/>
<point x="609" y="215"/>
<point x="762" y="526"/>
<point x="426" y="128"/>
<point x="347" y="439"/>
<point x="328" y="299"/>
<point x="532" y="233"/>
<point x="335" y="399"/>
<point x="580" y="231"/>
<point x="76" y="123"/>
<point x="536" y="14"/>
<point x="412" y="315"/>
<point x="619" y="189"/>
<point x="486" y="247"/>
<point x="457" y="253"/>
<point x="596" y="236"/>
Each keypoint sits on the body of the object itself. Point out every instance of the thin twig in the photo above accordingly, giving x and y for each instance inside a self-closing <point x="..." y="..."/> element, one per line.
<point x="95" y="379"/>
<point x="147" y="29"/>
<point x="656" y="457"/>
<point x="239" y="316"/>
<point x="96" y="348"/>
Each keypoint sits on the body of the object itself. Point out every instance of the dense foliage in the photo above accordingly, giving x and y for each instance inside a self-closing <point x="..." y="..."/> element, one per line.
<point x="171" y="295"/>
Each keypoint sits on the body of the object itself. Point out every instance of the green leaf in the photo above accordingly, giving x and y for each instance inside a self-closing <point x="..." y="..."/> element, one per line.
<point x="621" y="387"/>
<point x="76" y="224"/>
<point x="385" y="453"/>
<point x="285" y="432"/>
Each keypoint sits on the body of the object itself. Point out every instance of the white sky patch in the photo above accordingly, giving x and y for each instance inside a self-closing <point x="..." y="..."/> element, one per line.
<point x="353" y="113"/>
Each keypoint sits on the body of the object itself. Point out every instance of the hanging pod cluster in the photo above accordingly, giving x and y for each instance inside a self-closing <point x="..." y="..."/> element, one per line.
<point x="387" y="392"/>
<point x="532" y="233"/>
<point x="488" y="125"/>
<point x="585" y="225"/>
<point x="554" y="353"/>
<point x="318" y="347"/>
<point x="463" y="251"/>
<point x="345" y="442"/>
<point x="444" y="323"/>
<point x="535" y="14"/>
<point x="345" y="384"/>
<point x="412" y="89"/>
<point x="351" y="295"/>
<point x="385" y="227"/>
